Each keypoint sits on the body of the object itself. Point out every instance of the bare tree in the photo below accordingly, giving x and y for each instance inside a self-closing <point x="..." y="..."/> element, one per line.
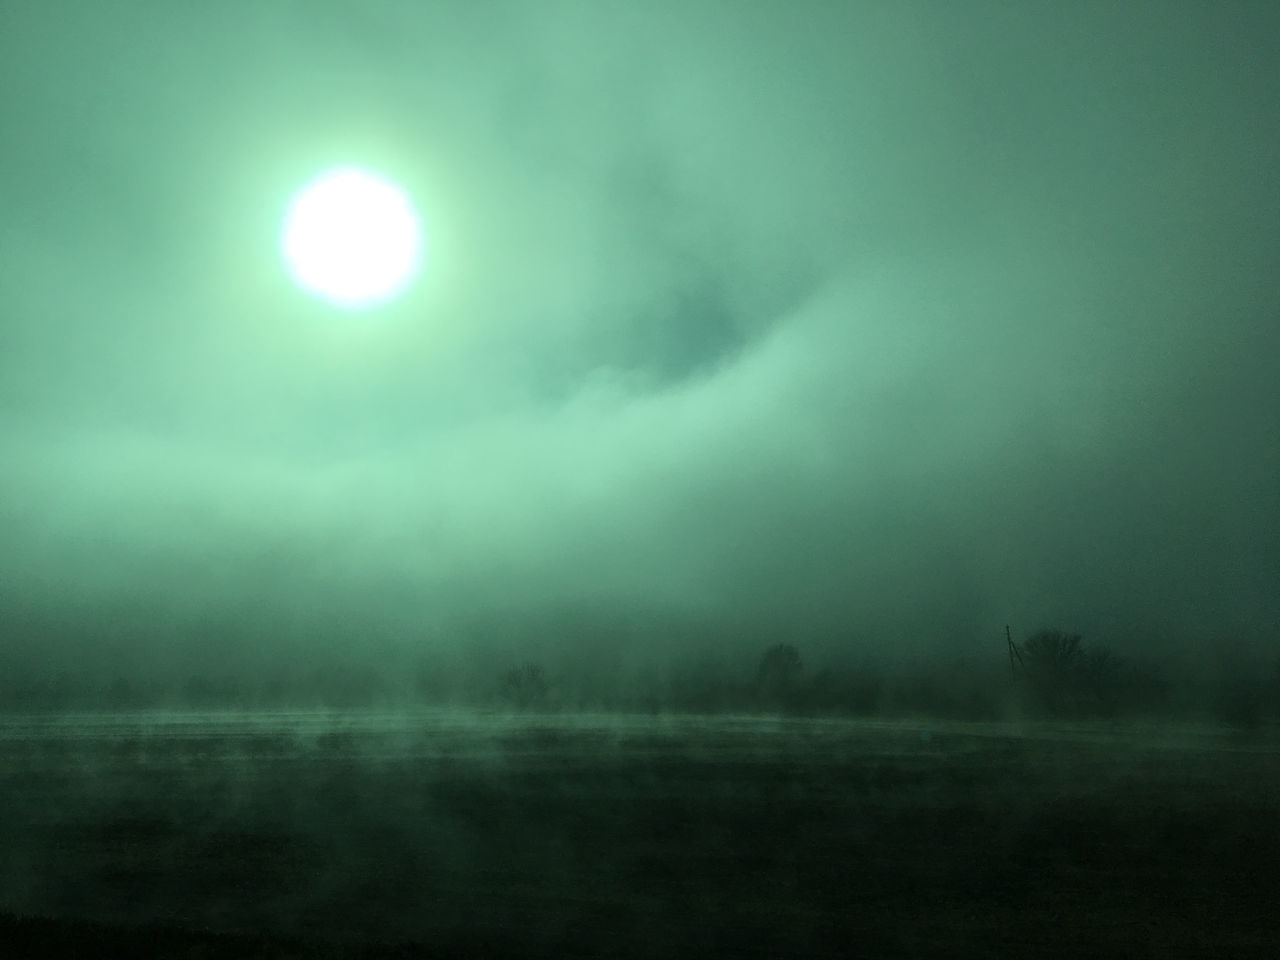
<point x="1051" y="660"/>
<point x="1064" y="677"/>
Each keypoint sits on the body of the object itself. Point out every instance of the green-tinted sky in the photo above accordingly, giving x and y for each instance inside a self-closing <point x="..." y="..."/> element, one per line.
<point x="880" y="324"/>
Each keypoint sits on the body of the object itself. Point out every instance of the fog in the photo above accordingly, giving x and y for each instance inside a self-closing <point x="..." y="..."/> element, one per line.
<point x="867" y="328"/>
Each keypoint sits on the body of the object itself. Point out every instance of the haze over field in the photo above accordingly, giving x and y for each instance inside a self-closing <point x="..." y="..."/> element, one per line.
<point x="860" y="326"/>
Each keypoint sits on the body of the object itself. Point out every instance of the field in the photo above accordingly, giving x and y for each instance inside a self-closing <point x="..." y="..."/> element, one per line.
<point x="424" y="834"/>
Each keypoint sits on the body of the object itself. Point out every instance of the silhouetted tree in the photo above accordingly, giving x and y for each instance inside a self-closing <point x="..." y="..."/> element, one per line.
<point x="1051" y="659"/>
<point x="778" y="675"/>
<point x="525" y="687"/>
<point x="1067" y="679"/>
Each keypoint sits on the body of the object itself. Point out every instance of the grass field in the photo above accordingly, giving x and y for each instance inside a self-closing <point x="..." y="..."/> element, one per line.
<point x="286" y="834"/>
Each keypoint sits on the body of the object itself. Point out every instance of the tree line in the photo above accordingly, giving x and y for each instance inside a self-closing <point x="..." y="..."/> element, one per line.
<point x="1050" y="674"/>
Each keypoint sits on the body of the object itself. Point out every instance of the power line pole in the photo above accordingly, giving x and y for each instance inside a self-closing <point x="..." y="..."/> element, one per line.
<point x="1014" y="653"/>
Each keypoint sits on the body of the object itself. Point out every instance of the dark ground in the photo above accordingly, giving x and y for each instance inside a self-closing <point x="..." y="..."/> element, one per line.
<point x="279" y="835"/>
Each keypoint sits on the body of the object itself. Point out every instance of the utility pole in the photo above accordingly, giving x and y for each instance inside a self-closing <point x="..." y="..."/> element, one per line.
<point x="1013" y="653"/>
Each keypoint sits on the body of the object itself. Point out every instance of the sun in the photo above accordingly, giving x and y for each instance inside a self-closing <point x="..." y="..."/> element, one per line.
<point x="352" y="238"/>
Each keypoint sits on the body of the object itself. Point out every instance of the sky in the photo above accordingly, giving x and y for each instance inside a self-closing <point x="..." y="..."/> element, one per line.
<point x="870" y="327"/>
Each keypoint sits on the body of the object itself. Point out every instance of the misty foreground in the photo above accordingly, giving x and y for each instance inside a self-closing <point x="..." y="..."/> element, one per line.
<point x="361" y="834"/>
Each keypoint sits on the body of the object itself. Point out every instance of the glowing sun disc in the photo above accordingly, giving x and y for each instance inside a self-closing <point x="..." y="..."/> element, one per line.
<point x="352" y="238"/>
